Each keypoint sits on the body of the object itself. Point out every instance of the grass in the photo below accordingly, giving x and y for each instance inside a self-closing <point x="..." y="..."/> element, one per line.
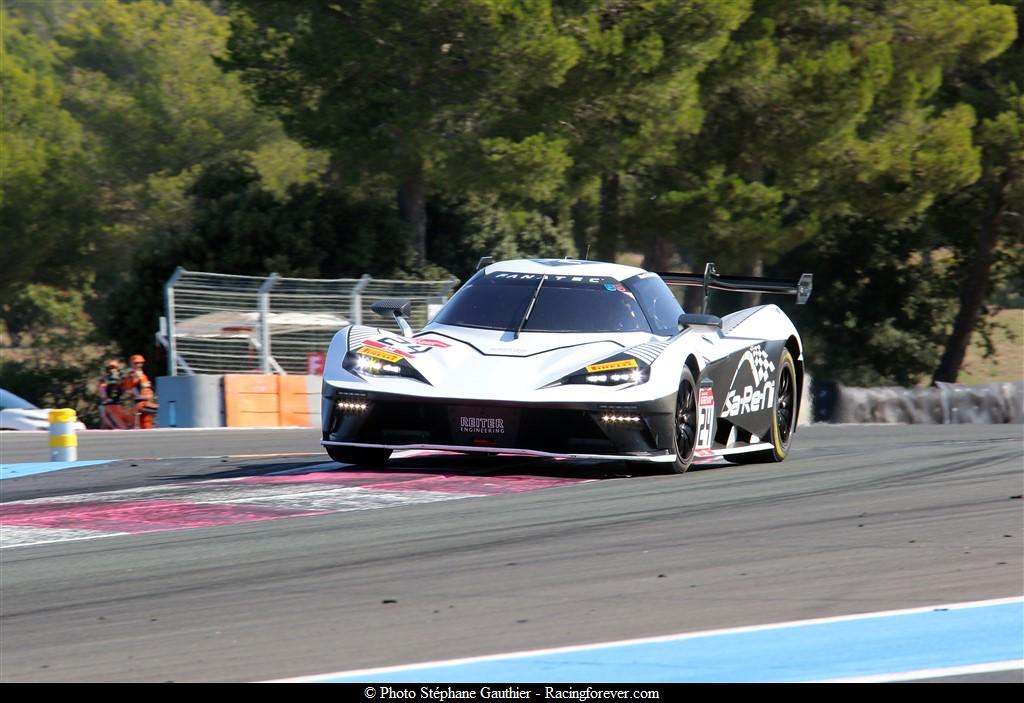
<point x="1007" y="364"/>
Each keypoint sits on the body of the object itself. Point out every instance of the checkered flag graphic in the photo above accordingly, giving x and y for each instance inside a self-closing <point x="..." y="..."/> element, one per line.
<point x="760" y="364"/>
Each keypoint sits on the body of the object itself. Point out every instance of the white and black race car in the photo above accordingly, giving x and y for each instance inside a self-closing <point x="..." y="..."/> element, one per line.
<point x="574" y="359"/>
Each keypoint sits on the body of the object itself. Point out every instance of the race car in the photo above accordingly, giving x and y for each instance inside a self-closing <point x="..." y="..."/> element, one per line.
<point x="571" y="359"/>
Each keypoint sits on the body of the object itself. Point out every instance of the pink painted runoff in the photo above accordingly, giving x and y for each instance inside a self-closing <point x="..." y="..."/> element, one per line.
<point x="442" y="483"/>
<point x="139" y="516"/>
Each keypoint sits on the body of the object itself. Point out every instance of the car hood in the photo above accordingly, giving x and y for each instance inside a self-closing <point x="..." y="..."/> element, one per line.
<point x="479" y="363"/>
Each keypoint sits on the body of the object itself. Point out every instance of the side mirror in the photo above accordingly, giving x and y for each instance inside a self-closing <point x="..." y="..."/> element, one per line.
<point x="688" y="319"/>
<point x="398" y="308"/>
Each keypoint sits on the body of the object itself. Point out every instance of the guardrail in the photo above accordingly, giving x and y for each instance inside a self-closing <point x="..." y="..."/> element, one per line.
<point x="946" y="403"/>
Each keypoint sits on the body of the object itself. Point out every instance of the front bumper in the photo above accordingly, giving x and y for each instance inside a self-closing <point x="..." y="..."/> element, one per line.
<point x="638" y="431"/>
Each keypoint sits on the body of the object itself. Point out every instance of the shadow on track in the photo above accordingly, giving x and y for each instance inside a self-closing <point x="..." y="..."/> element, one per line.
<point x="442" y="463"/>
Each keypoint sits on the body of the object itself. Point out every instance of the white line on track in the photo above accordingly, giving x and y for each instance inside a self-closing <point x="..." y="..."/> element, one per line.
<point x="19" y="536"/>
<point x="648" y="640"/>
<point x="987" y="668"/>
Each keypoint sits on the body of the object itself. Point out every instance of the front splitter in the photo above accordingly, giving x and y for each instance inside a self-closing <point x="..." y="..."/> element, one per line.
<point x="649" y="458"/>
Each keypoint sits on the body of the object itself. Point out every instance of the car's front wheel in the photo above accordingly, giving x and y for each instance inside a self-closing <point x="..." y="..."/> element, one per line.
<point x="685" y="436"/>
<point x="362" y="456"/>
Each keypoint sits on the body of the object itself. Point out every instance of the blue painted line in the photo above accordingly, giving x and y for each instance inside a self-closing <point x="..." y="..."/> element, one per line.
<point x="19" y="470"/>
<point x="841" y="648"/>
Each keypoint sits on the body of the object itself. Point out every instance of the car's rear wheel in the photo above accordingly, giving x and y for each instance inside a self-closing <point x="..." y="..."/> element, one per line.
<point x="685" y="437"/>
<point x="784" y="416"/>
<point x="363" y="456"/>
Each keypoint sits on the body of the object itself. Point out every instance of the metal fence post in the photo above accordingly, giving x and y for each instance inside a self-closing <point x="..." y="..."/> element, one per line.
<point x="264" y="302"/>
<point x="450" y="284"/>
<point x="172" y="347"/>
<point x="356" y="313"/>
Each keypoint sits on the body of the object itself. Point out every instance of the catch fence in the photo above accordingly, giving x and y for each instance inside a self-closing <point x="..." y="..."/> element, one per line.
<point x="218" y="323"/>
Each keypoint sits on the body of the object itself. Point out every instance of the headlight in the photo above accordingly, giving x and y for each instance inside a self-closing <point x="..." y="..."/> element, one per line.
<point x="612" y="372"/>
<point x="368" y="361"/>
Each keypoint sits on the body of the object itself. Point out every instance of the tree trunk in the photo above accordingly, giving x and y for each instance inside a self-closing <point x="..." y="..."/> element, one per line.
<point x="412" y="208"/>
<point x="579" y="229"/>
<point x="609" y="228"/>
<point x="972" y="297"/>
<point x="660" y="255"/>
<point x="756" y="269"/>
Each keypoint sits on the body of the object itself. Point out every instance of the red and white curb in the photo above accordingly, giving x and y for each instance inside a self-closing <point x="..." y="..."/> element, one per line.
<point x="210" y="503"/>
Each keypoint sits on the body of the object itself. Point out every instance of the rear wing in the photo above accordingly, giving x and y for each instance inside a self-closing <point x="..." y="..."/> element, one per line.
<point x="741" y="284"/>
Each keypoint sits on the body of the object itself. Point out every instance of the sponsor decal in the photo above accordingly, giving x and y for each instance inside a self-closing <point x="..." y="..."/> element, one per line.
<point x="376" y="344"/>
<point x="470" y="424"/>
<point x="615" y="287"/>
<point x="482" y="425"/>
<point x="705" y="417"/>
<point x="405" y="347"/>
<point x="550" y="277"/>
<point x="379" y="354"/>
<point x="612" y="366"/>
<point x="435" y="343"/>
<point x="756" y="397"/>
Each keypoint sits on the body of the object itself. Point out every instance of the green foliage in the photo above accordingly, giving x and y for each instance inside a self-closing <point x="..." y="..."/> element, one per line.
<point x="60" y="354"/>
<point x="823" y="109"/>
<point x="106" y="128"/>
<point x="431" y="95"/>
<point x="142" y="79"/>
<point x="635" y="89"/>
<point x="632" y="95"/>
<point x="981" y="223"/>
<point x="879" y="306"/>
<point x="234" y="224"/>
<point x="463" y="232"/>
<point x="45" y="200"/>
<point x="47" y="315"/>
<point x="882" y="139"/>
<point x="724" y="218"/>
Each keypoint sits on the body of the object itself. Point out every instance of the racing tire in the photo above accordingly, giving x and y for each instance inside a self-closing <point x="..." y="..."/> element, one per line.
<point x="361" y="456"/>
<point x="784" y="416"/>
<point x="684" y="436"/>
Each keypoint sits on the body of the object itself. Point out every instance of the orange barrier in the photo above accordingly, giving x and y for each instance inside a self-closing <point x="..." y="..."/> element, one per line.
<point x="251" y="401"/>
<point x="300" y="401"/>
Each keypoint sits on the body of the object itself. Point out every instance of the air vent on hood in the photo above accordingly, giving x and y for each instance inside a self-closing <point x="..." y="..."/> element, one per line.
<point x="359" y="334"/>
<point x="647" y="353"/>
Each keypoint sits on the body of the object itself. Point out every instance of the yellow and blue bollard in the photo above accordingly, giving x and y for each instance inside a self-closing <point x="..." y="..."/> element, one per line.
<point x="63" y="440"/>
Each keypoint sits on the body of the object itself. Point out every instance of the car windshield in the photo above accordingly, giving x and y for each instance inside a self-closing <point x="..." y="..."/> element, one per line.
<point x="499" y="300"/>
<point x="658" y="302"/>
<point x="9" y="401"/>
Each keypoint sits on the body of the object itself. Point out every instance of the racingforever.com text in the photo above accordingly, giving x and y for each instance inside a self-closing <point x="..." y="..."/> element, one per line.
<point x="521" y="692"/>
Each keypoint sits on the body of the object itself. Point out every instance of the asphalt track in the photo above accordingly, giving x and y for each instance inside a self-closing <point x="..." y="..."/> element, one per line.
<point x="858" y="519"/>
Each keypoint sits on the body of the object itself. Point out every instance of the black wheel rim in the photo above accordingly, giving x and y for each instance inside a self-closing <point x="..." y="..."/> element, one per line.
<point x="784" y="408"/>
<point x="686" y="421"/>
